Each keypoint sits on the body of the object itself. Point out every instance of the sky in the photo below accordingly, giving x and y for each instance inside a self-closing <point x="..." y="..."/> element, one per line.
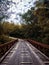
<point x="19" y="7"/>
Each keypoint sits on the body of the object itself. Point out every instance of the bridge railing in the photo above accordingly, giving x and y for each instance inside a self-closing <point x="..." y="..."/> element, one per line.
<point x="6" y="46"/>
<point x="42" y="47"/>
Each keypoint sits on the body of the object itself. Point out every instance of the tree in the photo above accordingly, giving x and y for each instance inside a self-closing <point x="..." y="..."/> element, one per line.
<point x="1" y="29"/>
<point x="38" y="29"/>
<point x="29" y="16"/>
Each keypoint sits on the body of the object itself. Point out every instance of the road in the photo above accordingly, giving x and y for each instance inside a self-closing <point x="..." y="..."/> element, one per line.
<point x="25" y="54"/>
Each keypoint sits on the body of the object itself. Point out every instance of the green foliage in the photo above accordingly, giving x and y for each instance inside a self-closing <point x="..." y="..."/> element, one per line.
<point x="29" y="17"/>
<point x="36" y="25"/>
<point x="5" y="29"/>
<point x="1" y="28"/>
<point x="4" y="39"/>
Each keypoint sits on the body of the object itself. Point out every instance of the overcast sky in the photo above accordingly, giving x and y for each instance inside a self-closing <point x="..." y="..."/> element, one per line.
<point x="19" y="6"/>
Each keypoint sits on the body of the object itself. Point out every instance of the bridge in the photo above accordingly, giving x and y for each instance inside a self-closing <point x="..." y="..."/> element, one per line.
<point x="24" y="53"/>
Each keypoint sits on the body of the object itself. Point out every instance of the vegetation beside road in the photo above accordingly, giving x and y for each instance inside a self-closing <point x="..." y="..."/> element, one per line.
<point x="4" y="39"/>
<point x="35" y="25"/>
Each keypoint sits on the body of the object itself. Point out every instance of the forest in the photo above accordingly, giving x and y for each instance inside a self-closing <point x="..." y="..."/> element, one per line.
<point x="35" y="25"/>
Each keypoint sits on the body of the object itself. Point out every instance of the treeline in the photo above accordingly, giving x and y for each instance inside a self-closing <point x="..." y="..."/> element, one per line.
<point x="37" y="20"/>
<point x="5" y="29"/>
<point x="35" y="24"/>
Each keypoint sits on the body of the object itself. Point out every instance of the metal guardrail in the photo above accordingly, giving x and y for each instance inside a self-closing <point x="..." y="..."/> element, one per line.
<point x="5" y="47"/>
<point x="42" y="47"/>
